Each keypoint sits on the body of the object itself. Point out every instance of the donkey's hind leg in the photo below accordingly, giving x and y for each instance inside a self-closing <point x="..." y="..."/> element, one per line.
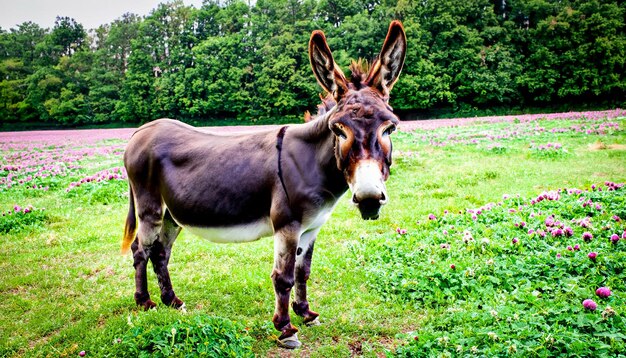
<point x="142" y="297"/>
<point x="150" y="215"/>
<point x="160" y="257"/>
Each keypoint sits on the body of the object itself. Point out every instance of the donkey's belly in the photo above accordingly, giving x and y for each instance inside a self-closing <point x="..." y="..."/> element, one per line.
<point x="235" y="233"/>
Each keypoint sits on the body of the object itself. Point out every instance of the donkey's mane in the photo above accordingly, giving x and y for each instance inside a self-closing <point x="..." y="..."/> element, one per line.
<point x="359" y="70"/>
<point x="358" y="74"/>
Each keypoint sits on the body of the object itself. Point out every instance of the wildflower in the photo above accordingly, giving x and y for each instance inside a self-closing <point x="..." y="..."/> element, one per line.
<point x="453" y="266"/>
<point x="569" y="248"/>
<point x="584" y="222"/>
<point x="603" y="292"/>
<point x="590" y="305"/>
<point x="17" y="208"/>
<point x="558" y="256"/>
<point x="616" y="218"/>
<point x="608" y="312"/>
<point x="568" y="231"/>
<point x="445" y="246"/>
<point x="592" y="256"/>
<point x="401" y="231"/>
<point x="614" y="238"/>
<point x="467" y="237"/>
<point x="432" y="217"/>
<point x="587" y="236"/>
<point x="492" y="335"/>
<point x="515" y="240"/>
<point x="576" y="247"/>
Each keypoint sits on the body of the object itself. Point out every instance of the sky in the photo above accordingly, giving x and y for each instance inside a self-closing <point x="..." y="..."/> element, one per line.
<point x="89" y="13"/>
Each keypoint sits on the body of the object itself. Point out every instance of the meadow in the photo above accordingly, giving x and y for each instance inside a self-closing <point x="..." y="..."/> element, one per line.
<point x="504" y="236"/>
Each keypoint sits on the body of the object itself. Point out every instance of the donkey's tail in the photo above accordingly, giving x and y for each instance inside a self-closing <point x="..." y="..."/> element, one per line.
<point x="131" y="223"/>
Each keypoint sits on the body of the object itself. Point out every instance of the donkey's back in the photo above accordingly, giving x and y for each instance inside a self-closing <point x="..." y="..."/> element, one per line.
<point x="202" y="180"/>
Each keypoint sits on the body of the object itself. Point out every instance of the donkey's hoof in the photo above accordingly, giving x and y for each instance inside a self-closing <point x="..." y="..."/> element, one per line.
<point x="148" y="305"/>
<point x="177" y="304"/>
<point x="290" y="342"/>
<point x="314" y="322"/>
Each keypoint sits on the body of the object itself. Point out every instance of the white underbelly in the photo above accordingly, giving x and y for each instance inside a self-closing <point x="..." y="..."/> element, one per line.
<point x="235" y="233"/>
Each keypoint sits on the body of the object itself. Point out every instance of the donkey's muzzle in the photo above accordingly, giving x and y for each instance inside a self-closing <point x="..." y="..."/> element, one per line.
<point x="370" y="206"/>
<point x="368" y="190"/>
<point x="369" y="209"/>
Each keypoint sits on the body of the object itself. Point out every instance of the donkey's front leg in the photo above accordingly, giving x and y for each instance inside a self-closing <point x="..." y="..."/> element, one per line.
<point x="303" y="270"/>
<point x="283" y="277"/>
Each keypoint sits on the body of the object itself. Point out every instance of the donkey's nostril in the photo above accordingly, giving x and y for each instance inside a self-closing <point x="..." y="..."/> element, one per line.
<point x="383" y="197"/>
<point x="354" y="199"/>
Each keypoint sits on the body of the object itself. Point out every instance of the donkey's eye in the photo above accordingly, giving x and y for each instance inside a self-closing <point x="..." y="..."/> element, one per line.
<point x="339" y="132"/>
<point x="389" y="130"/>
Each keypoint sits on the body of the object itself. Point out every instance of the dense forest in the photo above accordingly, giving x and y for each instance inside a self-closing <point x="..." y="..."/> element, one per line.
<point x="249" y="61"/>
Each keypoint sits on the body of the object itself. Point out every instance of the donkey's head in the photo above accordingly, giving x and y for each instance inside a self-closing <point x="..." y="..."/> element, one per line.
<point x="362" y="120"/>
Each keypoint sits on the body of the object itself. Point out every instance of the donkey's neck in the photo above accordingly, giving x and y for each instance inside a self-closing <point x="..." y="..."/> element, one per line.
<point x="317" y="134"/>
<point x="316" y="130"/>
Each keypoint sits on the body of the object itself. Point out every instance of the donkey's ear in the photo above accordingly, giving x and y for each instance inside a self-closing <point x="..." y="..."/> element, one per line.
<point x="387" y="66"/>
<point x="328" y="74"/>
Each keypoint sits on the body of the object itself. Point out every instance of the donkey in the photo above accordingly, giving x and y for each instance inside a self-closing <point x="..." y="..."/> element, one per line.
<point x="282" y="182"/>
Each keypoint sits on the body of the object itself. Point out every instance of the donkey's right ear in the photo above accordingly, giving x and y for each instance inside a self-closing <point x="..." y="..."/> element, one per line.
<point x="328" y="74"/>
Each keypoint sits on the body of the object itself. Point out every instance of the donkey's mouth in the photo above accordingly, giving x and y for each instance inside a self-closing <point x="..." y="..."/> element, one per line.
<point x="369" y="208"/>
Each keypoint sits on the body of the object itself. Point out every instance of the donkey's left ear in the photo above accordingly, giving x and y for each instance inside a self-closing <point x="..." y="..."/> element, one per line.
<point x="387" y="66"/>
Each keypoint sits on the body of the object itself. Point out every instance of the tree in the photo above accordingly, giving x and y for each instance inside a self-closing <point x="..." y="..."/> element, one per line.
<point x="67" y="36"/>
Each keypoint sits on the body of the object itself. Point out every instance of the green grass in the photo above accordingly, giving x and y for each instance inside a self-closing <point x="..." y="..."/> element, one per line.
<point x="65" y="288"/>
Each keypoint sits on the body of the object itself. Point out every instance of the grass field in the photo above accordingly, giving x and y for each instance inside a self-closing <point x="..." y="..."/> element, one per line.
<point x="475" y="255"/>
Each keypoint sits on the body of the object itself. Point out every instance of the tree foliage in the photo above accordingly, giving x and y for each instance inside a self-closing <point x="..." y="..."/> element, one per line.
<point x="233" y="59"/>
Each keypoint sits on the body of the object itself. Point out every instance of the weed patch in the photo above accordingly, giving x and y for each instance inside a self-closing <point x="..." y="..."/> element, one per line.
<point x="511" y="277"/>
<point x="19" y="219"/>
<point x="197" y="336"/>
